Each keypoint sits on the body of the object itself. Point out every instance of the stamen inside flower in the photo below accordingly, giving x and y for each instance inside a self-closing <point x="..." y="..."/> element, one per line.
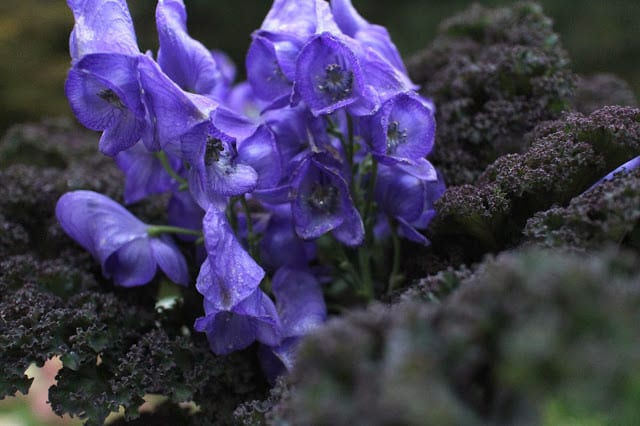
<point x="212" y="151"/>
<point x="323" y="198"/>
<point x="337" y="82"/>
<point x="110" y="96"/>
<point x="395" y="136"/>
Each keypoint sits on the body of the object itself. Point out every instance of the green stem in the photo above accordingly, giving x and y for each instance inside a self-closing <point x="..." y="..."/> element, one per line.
<point x="157" y="230"/>
<point x="162" y="156"/>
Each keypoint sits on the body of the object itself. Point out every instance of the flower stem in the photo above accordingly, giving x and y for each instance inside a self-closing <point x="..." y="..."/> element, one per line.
<point x="157" y="230"/>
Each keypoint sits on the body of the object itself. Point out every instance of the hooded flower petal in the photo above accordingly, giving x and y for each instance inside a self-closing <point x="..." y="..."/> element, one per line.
<point x="101" y="26"/>
<point x="185" y="60"/>
<point x="118" y="239"/>
<point x="229" y="274"/>
<point x="104" y="94"/>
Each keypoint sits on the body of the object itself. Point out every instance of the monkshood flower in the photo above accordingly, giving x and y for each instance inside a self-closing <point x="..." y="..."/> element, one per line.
<point x="253" y="319"/>
<point x="229" y="274"/>
<point x="271" y="59"/>
<point x="186" y="61"/>
<point x="121" y="243"/>
<point x="104" y="94"/>
<point x="322" y="202"/>
<point x="401" y="132"/>
<point x="280" y="245"/>
<point x="408" y="200"/>
<point x="301" y="309"/>
<point x="102" y="86"/>
<point x="632" y="164"/>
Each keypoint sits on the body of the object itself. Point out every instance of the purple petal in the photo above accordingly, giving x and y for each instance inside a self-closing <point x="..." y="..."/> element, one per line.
<point x="632" y="164"/>
<point x="254" y="318"/>
<point x="144" y="173"/>
<point x="328" y="75"/>
<point x="185" y="60"/>
<point x="97" y="223"/>
<point x="265" y="68"/>
<point x="101" y="26"/>
<point x="375" y="37"/>
<point x="104" y="94"/>
<point x="173" y="112"/>
<point x="132" y="264"/>
<point x="229" y="274"/>
<point x="280" y="245"/>
<point x="299" y="301"/>
<point x="291" y="16"/>
<point x="184" y="212"/>
<point x="399" y="194"/>
<point x="404" y="128"/>
<point x="170" y="259"/>
<point x="260" y="152"/>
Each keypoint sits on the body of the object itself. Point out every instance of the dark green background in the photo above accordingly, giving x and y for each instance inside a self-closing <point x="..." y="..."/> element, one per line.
<point x="600" y="37"/>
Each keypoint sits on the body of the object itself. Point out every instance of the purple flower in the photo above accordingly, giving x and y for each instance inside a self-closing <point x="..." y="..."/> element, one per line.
<point x="281" y="246"/>
<point x="119" y="240"/>
<point x="184" y="212"/>
<point x="370" y="36"/>
<point x="229" y="330"/>
<point x="101" y="26"/>
<point x="322" y="202"/>
<point x="403" y="130"/>
<point x="144" y="173"/>
<point x="104" y="94"/>
<point x="301" y="308"/>
<point x="229" y="274"/>
<point x="329" y="76"/>
<point x="408" y="199"/>
<point x="185" y="60"/>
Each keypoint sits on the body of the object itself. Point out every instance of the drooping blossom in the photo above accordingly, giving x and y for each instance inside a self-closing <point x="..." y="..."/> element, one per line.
<point x="119" y="240"/>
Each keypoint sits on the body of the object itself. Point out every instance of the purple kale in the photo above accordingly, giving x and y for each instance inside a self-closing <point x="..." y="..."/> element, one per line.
<point x="120" y="241"/>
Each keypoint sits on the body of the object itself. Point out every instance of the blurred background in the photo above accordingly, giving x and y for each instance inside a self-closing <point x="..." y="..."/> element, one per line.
<point x="600" y="37"/>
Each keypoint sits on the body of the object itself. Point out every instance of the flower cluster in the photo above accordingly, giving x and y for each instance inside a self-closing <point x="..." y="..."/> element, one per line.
<point x="319" y="156"/>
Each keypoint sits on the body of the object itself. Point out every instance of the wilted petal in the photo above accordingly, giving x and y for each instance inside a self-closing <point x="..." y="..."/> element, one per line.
<point x="229" y="274"/>
<point x="101" y="26"/>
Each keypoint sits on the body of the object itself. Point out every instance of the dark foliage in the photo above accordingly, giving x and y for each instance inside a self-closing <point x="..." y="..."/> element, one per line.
<point x="493" y="74"/>
<point x="115" y="345"/>
<point x="607" y="214"/>
<point x="565" y="157"/>
<point x="599" y="90"/>
<point x="530" y="337"/>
